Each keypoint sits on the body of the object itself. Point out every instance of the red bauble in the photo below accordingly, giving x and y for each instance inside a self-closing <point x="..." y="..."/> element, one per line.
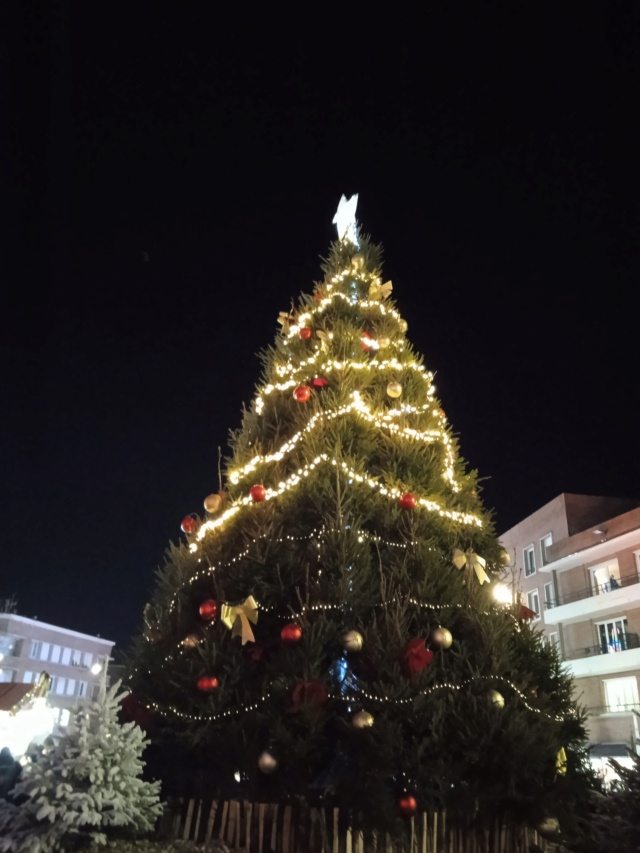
<point x="302" y="394"/>
<point x="189" y="524"/>
<point x="408" y="501"/>
<point x="318" y="382"/>
<point x="258" y="493"/>
<point x="207" y="683"/>
<point x="366" y="341"/>
<point x="291" y="634"/>
<point x="407" y="805"/>
<point x="417" y="656"/>
<point x="305" y="333"/>
<point x="209" y="609"/>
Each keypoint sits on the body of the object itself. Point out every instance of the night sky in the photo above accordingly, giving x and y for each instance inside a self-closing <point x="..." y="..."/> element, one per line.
<point x="172" y="177"/>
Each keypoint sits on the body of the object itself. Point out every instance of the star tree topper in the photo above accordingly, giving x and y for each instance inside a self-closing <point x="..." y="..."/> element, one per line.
<point x="345" y="219"/>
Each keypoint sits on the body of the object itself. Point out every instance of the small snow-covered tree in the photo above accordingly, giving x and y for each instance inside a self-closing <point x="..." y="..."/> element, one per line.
<point x="86" y="787"/>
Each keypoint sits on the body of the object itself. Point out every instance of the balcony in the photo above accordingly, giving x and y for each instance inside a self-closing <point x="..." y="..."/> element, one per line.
<point x="626" y="642"/>
<point x="599" y="600"/>
<point x="634" y="708"/>
<point x="602" y="662"/>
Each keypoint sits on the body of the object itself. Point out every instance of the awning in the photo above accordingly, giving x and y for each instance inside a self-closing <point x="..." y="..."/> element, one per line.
<point x="12" y="694"/>
<point x="608" y="750"/>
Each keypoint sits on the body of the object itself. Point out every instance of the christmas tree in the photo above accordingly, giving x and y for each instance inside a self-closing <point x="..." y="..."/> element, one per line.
<point x="328" y="630"/>
<point x="85" y="788"/>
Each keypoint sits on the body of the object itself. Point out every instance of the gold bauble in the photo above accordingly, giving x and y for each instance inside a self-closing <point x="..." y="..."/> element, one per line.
<point x="191" y="641"/>
<point x="384" y="342"/>
<point x="548" y="826"/>
<point x="403" y="325"/>
<point x="497" y="699"/>
<point x="362" y="720"/>
<point x="394" y="389"/>
<point x="267" y="763"/>
<point x="212" y="503"/>
<point x="357" y="261"/>
<point x="443" y="637"/>
<point x="352" y="641"/>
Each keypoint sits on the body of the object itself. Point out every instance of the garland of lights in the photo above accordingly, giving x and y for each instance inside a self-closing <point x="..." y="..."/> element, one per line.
<point x="363" y="411"/>
<point x="447" y="685"/>
<point x="391" y="492"/>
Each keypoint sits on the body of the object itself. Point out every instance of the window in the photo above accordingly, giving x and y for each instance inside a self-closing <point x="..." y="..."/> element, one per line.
<point x="553" y="639"/>
<point x="612" y="635"/>
<point x="9" y="646"/>
<point x="44" y="651"/>
<point x="529" y="561"/>
<point x="6" y="676"/>
<point x="544" y="544"/>
<point x="621" y="693"/>
<point x="533" y="602"/>
<point x="56" y="653"/>
<point x="66" y="656"/>
<point x="36" y="649"/>
<point x="53" y="687"/>
<point x="29" y="677"/>
<point x="549" y="596"/>
<point x="71" y="686"/>
<point x="605" y="578"/>
<point x="76" y="657"/>
<point x="82" y="688"/>
<point x="87" y="658"/>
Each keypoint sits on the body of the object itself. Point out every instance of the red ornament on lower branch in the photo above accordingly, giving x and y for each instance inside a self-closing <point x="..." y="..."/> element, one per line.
<point x="209" y="609"/>
<point x="407" y="806"/>
<point x="302" y="394"/>
<point x="306" y="333"/>
<point x="291" y="634"/>
<point x="207" y="683"/>
<point x="258" y="493"/>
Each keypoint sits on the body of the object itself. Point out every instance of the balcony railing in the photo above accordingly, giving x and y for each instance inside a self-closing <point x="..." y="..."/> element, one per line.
<point x="633" y="708"/>
<point x="592" y="591"/>
<point x="620" y="644"/>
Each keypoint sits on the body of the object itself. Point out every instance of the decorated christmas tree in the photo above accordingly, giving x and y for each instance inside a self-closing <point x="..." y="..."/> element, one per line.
<point x="84" y="789"/>
<point x="327" y="630"/>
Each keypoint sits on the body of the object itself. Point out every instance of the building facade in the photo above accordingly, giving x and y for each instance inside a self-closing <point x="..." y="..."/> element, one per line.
<point x="575" y="562"/>
<point x="76" y="662"/>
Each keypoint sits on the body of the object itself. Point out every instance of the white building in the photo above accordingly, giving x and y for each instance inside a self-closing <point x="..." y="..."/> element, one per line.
<point x="75" y="662"/>
<point x="576" y="562"/>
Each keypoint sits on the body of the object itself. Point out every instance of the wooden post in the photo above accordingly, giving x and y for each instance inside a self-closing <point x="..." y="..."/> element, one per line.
<point x="187" y="821"/>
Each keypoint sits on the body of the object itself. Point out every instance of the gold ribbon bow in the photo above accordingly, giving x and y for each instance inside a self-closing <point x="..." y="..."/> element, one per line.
<point x="324" y="338"/>
<point x="380" y="291"/>
<point x="237" y="618"/>
<point x="471" y="559"/>
<point x="286" y="319"/>
<point x="561" y="762"/>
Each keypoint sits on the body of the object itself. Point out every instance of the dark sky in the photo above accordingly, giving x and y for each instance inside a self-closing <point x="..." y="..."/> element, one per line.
<point x="493" y="153"/>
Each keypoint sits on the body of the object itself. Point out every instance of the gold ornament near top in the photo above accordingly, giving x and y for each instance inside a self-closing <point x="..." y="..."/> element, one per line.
<point x="497" y="698"/>
<point x="357" y="261"/>
<point x="362" y="720"/>
<point x="237" y="618"/>
<point x="212" y="503"/>
<point x="384" y="342"/>
<point x="505" y="557"/>
<point x="394" y="389"/>
<point x="561" y="762"/>
<point x="473" y="561"/>
<point x="352" y="641"/>
<point x="403" y="325"/>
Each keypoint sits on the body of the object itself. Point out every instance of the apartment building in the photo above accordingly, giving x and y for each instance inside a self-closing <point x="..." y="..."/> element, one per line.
<point x="576" y="564"/>
<point x="75" y="662"/>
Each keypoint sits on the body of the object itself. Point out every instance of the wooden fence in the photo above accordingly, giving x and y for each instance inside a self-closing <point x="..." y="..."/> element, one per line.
<point x="278" y="828"/>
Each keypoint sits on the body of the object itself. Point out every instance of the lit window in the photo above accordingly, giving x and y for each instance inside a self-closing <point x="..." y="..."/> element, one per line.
<point x="71" y="686"/>
<point x="621" y="694"/>
<point x="66" y="656"/>
<point x="56" y="653"/>
<point x="553" y="639"/>
<point x="82" y="688"/>
<point x="544" y="544"/>
<point x="529" y="561"/>
<point x="549" y="596"/>
<point x="36" y="649"/>
<point x="612" y="635"/>
<point x="533" y="602"/>
<point x="6" y="676"/>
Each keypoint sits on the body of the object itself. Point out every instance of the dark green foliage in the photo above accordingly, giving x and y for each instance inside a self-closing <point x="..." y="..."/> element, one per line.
<point x="335" y="552"/>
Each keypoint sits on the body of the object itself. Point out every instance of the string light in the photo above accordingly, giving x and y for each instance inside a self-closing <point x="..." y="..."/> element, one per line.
<point x="360" y="408"/>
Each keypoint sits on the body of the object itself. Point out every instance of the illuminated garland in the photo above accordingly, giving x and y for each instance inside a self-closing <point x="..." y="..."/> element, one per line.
<point x="363" y="411"/>
<point x="293" y="480"/>
<point x="170" y="709"/>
